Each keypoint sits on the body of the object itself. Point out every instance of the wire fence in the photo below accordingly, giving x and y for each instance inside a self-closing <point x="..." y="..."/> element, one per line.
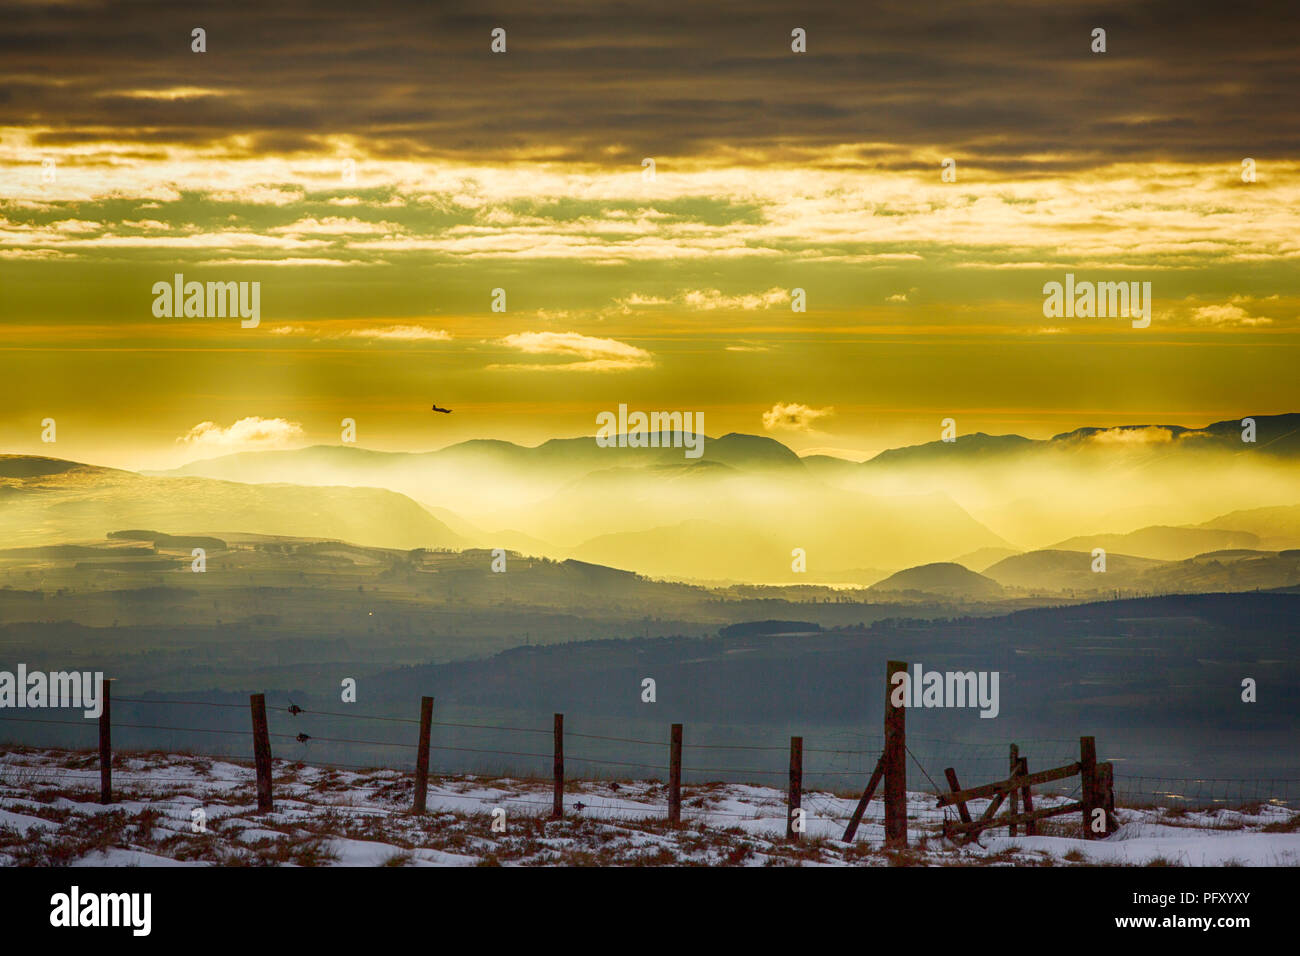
<point x="835" y="761"/>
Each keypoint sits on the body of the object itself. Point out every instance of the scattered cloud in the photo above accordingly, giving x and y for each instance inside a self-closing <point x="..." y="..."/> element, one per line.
<point x="34" y="254"/>
<point x="1227" y="314"/>
<point x="389" y="333"/>
<point x="291" y="261"/>
<point x="259" y="195"/>
<point x="794" y="417"/>
<point x="586" y="353"/>
<point x="75" y="226"/>
<point x="167" y="95"/>
<point x="336" y="226"/>
<point x="637" y="301"/>
<point x="247" y="433"/>
<point x="401" y="333"/>
<point x="709" y="299"/>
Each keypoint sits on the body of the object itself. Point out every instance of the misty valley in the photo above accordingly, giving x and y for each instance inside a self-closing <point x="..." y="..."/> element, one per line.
<point x="748" y="664"/>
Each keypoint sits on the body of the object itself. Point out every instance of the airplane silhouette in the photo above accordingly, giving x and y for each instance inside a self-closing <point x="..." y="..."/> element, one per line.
<point x="445" y="411"/>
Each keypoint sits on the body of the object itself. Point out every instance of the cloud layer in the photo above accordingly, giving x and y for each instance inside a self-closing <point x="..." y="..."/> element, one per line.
<point x="1013" y="88"/>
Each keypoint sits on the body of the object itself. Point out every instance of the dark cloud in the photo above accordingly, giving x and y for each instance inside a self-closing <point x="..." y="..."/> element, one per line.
<point x="601" y="82"/>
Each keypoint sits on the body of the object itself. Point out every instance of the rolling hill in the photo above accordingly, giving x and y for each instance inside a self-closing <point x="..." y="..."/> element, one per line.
<point x="945" y="578"/>
<point x="1276" y="527"/>
<point x="1163" y="543"/>
<point x="50" y="500"/>
<point x="1068" y="571"/>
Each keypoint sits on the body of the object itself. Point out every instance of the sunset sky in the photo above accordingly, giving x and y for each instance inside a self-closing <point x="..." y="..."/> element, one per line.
<point x="522" y="171"/>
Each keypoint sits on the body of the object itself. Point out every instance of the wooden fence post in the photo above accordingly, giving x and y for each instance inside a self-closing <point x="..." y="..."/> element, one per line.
<point x="557" y="807"/>
<point x="796" y="788"/>
<point x="261" y="751"/>
<point x="675" y="776"/>
<point x="851" y="830"/>
<point x="1015" y="797"/>
<point x="1090" y="799"/>
<point x="422" y="756"/>
<point x="955" y="787"/>
<point x="105" y="744"/>
<point x="1106" y="794"/>
<point x="1031" y="826"/>
<point x="895" y="761"/>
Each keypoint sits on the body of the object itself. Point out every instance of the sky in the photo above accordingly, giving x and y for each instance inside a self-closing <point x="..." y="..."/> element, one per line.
<point x="380" y="171"/>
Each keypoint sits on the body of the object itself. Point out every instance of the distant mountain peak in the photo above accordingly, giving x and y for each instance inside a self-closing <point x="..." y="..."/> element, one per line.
<point x="976" y="444"/>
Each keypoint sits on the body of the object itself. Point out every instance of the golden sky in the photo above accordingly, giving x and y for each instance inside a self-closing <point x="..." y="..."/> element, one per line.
<point x="380" y="172"/>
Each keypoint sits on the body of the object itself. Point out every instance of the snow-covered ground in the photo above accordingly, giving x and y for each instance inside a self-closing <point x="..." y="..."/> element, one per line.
<point x="49" y="816"/>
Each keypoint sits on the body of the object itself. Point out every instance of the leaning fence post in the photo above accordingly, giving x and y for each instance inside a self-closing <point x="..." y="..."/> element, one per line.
<point x="895" y="761"/>
<point x="876" y="775"/>
<point x="261" y="751"/>
<point x="955" y="786"/>
<point x="105" y="744"/>
<point x="1088" y="782"/>
<point x="557" y="807"/>
<point x="422" y="755"/>
<point x="796" y="788"/>
<point x="675" y="776"/>
<point x="1015" y="797"/>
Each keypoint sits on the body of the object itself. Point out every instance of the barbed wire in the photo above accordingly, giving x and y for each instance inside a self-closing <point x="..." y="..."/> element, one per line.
<point x="334" y="713"/>
<point x="1163" y="787"/>
<point x="304" y="738"/>
<point x="624" y="740"/>
<point x="937" y="790"/>
<point x="159" y="700"/>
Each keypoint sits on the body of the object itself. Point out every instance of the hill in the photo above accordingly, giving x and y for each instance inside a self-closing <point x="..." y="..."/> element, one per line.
<point x="1162" y="543"/>
<point x="49" y="500"/>
<point x="1051" y="570"/>
<point x="1238" y="570"/>
<point x="946" y="578"/>
<point x="1276" y="527"/>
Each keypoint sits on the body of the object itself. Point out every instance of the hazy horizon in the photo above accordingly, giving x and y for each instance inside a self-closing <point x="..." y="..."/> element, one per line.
<point x="269" y="434"/>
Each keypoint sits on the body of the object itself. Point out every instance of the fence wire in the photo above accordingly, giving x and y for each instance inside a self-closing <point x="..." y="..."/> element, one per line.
<point x="841" y="761"/>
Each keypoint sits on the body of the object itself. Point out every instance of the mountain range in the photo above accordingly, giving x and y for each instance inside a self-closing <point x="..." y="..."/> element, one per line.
<point x="748" y="510"/>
